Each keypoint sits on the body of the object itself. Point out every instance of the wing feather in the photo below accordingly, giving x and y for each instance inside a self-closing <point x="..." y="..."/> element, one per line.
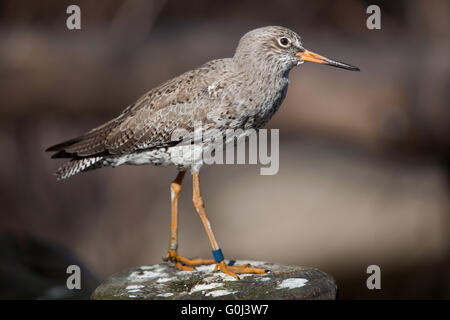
<point x="150" y="122"/>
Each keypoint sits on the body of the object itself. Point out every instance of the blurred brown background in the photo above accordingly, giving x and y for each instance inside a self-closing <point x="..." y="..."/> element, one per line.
<point x="364" y="157"/>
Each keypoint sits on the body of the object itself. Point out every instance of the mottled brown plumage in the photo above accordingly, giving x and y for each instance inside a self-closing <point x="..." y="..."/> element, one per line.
<point x="242" y="92"/>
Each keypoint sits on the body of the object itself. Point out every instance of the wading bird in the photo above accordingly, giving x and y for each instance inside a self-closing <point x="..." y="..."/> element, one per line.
<point x="241" y="92"/>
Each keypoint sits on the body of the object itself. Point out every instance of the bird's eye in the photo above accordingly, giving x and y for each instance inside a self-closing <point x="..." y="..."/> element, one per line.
<point x="284" y="41"/>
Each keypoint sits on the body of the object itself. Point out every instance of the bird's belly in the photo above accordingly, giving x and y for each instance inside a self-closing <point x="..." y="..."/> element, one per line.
<point x="156" y="157"/>
<point x="267" y="107"/>
<point x="182" y="156"/>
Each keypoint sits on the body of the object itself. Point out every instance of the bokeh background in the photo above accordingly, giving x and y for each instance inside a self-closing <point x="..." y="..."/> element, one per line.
<point x="364" y="157"/>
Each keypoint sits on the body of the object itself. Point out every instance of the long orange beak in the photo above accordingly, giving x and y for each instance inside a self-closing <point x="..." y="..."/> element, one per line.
<point x="314" y="57"/>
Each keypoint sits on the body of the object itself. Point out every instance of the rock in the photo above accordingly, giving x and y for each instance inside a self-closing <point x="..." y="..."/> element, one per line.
<point x="163" y="281"/>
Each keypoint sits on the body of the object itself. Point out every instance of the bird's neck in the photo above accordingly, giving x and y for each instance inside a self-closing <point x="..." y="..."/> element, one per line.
<point x="269" y="87"/>
<point x="268" y="74"/>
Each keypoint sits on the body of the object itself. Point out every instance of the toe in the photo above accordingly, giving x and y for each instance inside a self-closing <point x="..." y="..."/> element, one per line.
<point x="181" y="267"/>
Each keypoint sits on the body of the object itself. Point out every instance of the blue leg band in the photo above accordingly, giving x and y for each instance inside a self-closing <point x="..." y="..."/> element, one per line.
<point x="218" y="256"/>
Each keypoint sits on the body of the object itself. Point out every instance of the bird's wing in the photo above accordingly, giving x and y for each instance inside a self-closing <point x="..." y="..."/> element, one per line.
<point x="151" y="121"/>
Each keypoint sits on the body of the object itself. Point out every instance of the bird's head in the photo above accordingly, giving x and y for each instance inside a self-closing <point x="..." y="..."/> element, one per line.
<point x="280" y="48"/>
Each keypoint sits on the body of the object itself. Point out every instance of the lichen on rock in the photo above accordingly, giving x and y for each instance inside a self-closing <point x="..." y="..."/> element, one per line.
<point x="163" y="281"/>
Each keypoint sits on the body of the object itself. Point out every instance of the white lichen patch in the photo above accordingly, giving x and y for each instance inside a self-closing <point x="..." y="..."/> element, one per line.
<point x="134" y="287"/>
<point x="226" y="277"/>
<point x="149" y="267"/>
<point x="206" y="268"/>
<point x="245" y="275"/>
<point x="163" y="280"/>
<point x="134" y="291"/>
<point x="212" y="278"/>
<point x="219" y="276"/>
<point x="292" y="283"/>
<point x="161" y="269"/>
<point x="264" y="279"/>
<point x="204" y="287"/>
<point x="182" y="272"/>
<point x="165" y="295"/>
<point x="218" y="293"/>
<point x="156" y="267"/>
<point x="138" y="276"/>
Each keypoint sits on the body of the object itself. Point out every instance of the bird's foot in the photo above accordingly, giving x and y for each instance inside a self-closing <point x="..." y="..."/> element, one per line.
<point x="234" y="270"/>
<point x="185" y="264"/>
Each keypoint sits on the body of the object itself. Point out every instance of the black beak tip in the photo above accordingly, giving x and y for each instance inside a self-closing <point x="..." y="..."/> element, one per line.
<point x="346" y="66"/>
<point x="342" y="65"/>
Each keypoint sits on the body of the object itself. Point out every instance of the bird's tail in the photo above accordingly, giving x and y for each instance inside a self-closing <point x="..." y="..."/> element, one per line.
<point x="75" y="166"/>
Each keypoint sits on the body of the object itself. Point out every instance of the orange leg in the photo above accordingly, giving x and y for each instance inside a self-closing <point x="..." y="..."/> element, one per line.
<point x="220" y="264"/>
<point x="181" y="263"/>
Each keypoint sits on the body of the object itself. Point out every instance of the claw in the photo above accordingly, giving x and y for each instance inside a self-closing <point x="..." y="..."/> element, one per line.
<point x="181" y="267"/>
<point x="184" y="264"/>
<point x="233" y="270"/>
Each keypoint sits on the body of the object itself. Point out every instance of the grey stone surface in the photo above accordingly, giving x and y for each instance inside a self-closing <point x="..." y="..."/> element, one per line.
<point x="163" y="281"/>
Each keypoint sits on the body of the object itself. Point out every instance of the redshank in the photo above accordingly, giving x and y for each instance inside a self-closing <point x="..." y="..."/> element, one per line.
<point x="242" y="92"/>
